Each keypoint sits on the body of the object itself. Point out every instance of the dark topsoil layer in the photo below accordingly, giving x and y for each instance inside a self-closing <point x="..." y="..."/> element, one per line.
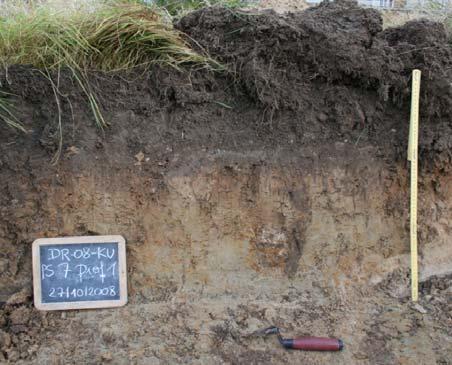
<point x="335" y="70"/>
<point x="325" y="75"/>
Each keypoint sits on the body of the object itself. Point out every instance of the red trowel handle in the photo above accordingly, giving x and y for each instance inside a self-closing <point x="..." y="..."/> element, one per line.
<point x="314" y="344"/>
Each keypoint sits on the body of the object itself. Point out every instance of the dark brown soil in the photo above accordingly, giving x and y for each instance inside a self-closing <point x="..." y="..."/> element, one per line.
<point x="273" y="193"/>
<point x="333" y="69"/>
<point x="326" y="74"/>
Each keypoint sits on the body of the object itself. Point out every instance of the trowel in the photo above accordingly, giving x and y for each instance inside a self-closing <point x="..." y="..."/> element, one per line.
<point x="308" y="343"/>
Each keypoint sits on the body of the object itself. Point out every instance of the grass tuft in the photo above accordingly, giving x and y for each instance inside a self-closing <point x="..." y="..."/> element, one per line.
<point x="112" y="36"/>
<point x="119" y="36"/>
<point x="179" y="8"/>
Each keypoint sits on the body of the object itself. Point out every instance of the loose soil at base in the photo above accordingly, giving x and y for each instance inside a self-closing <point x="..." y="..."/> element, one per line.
<point x="274" y="193"/>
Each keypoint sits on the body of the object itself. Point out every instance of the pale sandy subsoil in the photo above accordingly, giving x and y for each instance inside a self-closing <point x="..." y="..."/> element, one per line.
<point x="225" y="244"/>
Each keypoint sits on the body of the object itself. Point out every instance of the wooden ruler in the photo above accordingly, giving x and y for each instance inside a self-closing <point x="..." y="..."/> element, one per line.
<point x="413" y="158"/>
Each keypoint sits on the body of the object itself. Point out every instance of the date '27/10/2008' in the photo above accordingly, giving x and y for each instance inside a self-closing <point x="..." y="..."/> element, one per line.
<point x="68" y="292"/>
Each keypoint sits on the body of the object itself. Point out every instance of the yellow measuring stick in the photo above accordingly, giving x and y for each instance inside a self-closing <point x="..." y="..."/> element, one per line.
<point x="412" y="157"/>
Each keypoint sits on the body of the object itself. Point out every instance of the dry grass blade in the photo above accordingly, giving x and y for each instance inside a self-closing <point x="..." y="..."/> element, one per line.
<point x="7" y="113"/>
<point x="60" y="126"/>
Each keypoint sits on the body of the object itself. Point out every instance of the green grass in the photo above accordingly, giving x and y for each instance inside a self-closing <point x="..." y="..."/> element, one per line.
<point x="117" y="35"/>
<point x="181" y="7"/>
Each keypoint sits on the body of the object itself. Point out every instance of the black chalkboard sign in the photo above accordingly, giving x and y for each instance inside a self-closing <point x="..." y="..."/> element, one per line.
<point x="79" y="272"/>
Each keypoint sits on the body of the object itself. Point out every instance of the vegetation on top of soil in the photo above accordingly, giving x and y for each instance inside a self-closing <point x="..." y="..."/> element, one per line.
<point x="112" y="36"/>
<point x="181" y="7"/>
<point x="97" y="35"/>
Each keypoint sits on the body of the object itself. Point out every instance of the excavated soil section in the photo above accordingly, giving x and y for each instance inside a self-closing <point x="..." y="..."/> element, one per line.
<point x="274" y="193"/>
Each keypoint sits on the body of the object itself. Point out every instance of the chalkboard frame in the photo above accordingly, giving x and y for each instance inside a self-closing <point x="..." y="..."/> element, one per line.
<point x="122" y="268"/>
